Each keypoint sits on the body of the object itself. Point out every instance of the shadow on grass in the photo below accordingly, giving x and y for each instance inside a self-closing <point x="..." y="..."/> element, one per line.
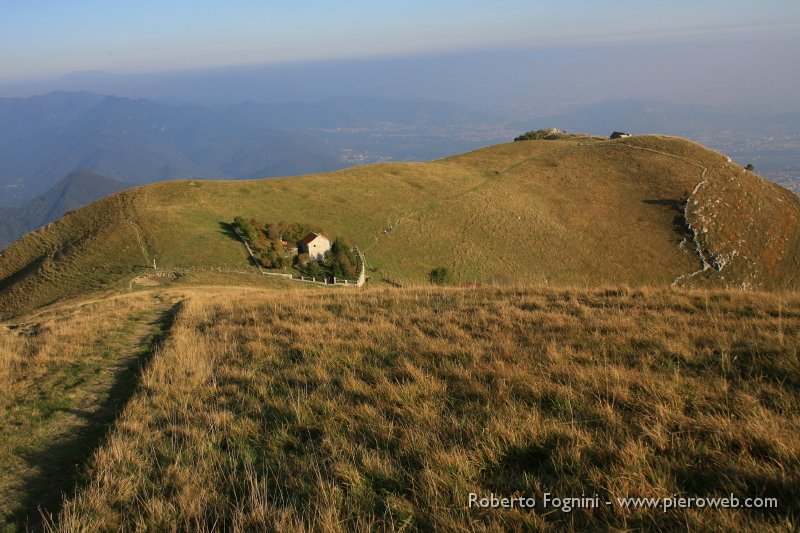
<point x="710" y="477"/>
<point x="679" y="221"/>
<point x="229" y="231"/>
<point x="59" y="467"/>
<point x="30" y="268"/>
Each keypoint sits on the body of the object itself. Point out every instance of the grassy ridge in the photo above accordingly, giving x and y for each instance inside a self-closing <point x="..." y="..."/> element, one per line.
<point x="384" y="409"/>
<point x="499" y="214"/>
<point x="91" y="249"/>
<point x="577" y="212"/>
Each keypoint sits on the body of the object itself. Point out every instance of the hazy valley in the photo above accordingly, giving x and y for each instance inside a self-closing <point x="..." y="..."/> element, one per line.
<point x="43" y="139"/>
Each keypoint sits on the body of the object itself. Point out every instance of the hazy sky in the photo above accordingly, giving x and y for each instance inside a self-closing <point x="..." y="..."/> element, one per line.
<point x="42" y="38"/>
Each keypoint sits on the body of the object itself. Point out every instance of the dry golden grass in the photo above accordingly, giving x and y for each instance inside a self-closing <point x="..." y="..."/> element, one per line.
<point x="384" y="409"/>
<point x="62" y="371"/>
<point x="33" y="347"/>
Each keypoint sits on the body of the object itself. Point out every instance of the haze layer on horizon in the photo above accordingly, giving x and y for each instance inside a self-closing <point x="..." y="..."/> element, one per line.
<point x="504" y="52"/>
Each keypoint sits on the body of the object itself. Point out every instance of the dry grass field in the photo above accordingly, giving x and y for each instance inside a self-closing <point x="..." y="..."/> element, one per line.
<point x="64" y="372"/>
<point x="383" y="410"/>
<point x="571" y="213"/>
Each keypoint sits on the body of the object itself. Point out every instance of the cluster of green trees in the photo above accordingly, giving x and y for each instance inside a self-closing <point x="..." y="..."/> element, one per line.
<point x="275" y="255"/>
<point x="341" y="260"/>
<point x="288" y="232"/>
<point x="247" y="229"/>
<point x="255" y="232"/>
<point x="270" y="243"/>
<point x="537" y="135"/>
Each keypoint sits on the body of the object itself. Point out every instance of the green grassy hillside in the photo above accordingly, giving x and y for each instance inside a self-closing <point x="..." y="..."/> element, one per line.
<point x="573" y="212"/>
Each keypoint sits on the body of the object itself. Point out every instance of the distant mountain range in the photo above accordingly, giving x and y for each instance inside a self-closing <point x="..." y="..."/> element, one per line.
<point x="44" y="138"/>
<point x="137" y="141"/>
<point x="125" y="141"/>
<point x="76" y="190"/>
